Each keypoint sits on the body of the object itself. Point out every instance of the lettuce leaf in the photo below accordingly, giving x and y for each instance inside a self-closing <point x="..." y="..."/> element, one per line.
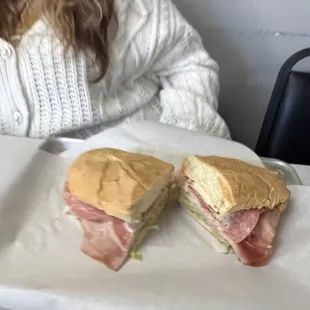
<point x="134" y="254"/>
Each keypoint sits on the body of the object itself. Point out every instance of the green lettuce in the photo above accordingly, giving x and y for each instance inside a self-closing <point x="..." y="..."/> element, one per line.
<point x="136" y="255"/>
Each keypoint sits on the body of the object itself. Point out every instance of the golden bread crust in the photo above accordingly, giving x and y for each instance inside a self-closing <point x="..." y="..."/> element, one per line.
<point x="113" y="180"/>
<point x="229" y="184"/>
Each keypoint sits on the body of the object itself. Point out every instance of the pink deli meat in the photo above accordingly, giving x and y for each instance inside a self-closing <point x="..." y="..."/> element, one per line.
<point x="108" y="241"/>
<point x="249" y="232"/>
<point x="83" y="210"/>
<point x="256" y="249"/>
<point x="236" y="225"/>
<point x="106" y="238"/>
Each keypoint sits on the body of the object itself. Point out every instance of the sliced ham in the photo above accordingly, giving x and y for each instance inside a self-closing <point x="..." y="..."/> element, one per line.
<point x="237" y="225"/>
<point x="108" y="242"/>
<point x="106" y="238"/>
<point x="241" y="224"/>
<point x="256" y="249"/>
<point x="249" y="232"/>
<point x="83" y="210"/>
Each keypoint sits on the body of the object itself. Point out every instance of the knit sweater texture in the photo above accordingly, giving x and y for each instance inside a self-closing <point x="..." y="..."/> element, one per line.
<point x="158" y="71"/>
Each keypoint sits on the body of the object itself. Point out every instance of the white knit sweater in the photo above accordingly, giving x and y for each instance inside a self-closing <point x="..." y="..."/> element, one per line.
<point x="159" y="71"/>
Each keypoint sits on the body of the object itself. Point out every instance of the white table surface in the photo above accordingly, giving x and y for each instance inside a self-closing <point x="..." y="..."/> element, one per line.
<point x="304" y="174"/>
<point x="28" y="147"/>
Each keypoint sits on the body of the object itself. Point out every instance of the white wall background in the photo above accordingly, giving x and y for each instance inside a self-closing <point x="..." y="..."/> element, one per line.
<point x="250" y="39"/>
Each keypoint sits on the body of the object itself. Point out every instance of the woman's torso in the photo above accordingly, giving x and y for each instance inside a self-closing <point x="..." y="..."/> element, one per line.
<point x="44" y="91"/>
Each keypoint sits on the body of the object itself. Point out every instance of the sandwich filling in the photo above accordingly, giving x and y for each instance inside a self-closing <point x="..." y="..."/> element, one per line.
<point x="249" y="233"/>
<point x="109" y="239"/>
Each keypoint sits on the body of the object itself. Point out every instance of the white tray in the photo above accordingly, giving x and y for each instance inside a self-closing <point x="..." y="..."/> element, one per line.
<point x="285" y="170"/>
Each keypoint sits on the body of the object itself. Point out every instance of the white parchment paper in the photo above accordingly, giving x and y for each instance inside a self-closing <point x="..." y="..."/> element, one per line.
<point x="41" y="266"/>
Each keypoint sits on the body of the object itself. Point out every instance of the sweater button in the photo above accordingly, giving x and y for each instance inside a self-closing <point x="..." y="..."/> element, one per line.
<point x="5" y="52"/>
<point x="18" y="118"/>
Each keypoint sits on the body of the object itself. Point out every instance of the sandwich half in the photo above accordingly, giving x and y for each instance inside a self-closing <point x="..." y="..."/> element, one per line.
<point x="237" y="203"/>
<point x="117" y="197"/>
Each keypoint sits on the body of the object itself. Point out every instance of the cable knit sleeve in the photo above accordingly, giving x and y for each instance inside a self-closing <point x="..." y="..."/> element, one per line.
<point x="188" y="76"/>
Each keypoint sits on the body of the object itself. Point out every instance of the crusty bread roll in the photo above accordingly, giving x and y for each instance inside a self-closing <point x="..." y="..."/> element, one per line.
<point x="229" y="184"/>
<point x="122" y="184"/>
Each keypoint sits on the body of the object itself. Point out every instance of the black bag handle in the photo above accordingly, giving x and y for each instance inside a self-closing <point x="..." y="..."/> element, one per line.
<point x="276" y="97"/>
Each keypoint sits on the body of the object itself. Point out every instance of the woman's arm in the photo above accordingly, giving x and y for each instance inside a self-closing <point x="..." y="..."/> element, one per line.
<point x="188" y="76"/>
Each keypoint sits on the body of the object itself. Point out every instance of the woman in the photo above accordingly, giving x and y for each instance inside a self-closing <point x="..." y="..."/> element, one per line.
<point x="69" y="64"/>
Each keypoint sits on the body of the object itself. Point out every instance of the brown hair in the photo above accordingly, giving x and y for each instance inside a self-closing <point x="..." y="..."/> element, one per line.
<point x="80" y="24"/>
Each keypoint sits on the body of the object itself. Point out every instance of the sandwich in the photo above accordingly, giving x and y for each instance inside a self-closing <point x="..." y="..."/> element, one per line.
<point x="117" y="196"/>
<point x="237" y="203"/>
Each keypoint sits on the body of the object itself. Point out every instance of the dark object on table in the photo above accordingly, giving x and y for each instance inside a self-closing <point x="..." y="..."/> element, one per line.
<point x="285" y="133"/>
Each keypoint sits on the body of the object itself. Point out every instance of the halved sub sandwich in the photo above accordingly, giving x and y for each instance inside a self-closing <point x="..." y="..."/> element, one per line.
<point x="117" y="197"/>
<point x="239" y="204"/>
